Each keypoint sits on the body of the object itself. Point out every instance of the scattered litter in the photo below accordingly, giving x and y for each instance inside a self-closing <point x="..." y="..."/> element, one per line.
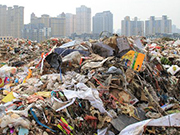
<point x="115" y="85"/>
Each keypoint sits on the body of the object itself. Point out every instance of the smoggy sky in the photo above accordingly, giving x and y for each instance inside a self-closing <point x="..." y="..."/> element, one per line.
<point x="143" y="9"/>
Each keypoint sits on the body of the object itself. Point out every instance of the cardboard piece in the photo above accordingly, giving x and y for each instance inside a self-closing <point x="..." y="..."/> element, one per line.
<point x="133" y="60"/>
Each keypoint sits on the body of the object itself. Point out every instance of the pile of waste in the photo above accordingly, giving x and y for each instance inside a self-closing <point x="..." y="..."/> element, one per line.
<point x="114" y="85"/>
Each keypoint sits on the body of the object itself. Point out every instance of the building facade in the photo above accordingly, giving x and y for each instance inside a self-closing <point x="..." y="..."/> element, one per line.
<point x="3" y="20"/>
<point x="175" y="29"/>
<point x="57" y="24"/>
<point x="132" y="27"/>
<point x="11" y="21"/>
<point x="83" y="20"/>
<point x="36" y="32"/>
<point x="161" y="25"/>
<point x="70" y="24"/>
<point x="44" y="27"/>
<point x="103" y="22"/>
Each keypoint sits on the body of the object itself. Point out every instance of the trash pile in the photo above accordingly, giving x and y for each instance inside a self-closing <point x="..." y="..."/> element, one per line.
<point x="114" y="85"/>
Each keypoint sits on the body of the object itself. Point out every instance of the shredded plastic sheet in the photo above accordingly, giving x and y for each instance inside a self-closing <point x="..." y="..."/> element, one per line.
<point x="94" y="64"/>
<point x="6" y="70"/>
<point x="104" y="132"/>
<point x="172" y="120"/>
<point x="23" y="131"/>
<point x="68" y="103"/>
<point x="138" y="43"/>
<point x="86" y="93"/>
<point x="69" y="44"/>
<point x="176" y="43"/>
<point x="22" y="112"/>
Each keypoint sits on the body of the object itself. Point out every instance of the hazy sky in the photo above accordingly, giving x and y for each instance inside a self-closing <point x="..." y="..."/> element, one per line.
<point x="143" y="9"/>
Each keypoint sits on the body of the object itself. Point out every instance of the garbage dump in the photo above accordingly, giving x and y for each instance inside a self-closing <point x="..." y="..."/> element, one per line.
<point x="112" y="86"/>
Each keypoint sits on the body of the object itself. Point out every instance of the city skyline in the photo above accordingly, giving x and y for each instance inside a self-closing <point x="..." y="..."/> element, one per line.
<point x="143" y="9"/>
<point x="11" y="20"/>
<point x="132" y="27"/>
<point x="102" y="21"/>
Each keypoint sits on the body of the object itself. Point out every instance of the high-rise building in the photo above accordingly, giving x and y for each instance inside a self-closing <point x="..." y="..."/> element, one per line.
<point x="70" y="24"/>
<point x="36" y="32"/>
<point x="83" y="20"/>
<point x="132" y="27"/>
<point x="161" y="25"/>
<point x="175" y="29"/>
<point x="45" y="27"/>
<point x="103" y="22"/>
<point x="11" y="21"/>
<point x="3" y="20"/>
<point x="125" y="26"/>
<point x="58" y="26"/>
